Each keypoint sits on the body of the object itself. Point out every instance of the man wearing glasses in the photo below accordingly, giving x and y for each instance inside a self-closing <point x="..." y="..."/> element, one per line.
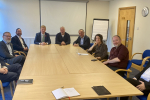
<point x="7" y="53"/>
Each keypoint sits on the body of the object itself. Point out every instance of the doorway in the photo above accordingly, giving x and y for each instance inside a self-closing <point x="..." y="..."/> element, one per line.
<point x="126" y="21"/>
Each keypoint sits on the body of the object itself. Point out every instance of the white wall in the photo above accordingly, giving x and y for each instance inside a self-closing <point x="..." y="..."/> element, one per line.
<point x="22" y="14"/>
<point x="95" y="9"/>
<point x="141" y="40"/>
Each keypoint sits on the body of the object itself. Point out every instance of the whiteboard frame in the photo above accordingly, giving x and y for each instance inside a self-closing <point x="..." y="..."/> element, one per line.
<point x="93" y="25"/>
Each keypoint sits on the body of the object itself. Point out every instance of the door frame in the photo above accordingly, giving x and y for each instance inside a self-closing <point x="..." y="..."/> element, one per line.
<point x="132" y="7"/>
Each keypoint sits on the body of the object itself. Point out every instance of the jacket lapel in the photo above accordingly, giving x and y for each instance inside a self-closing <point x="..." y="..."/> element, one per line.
<point x="18" y="41"/>
<point x="5" y="46"/>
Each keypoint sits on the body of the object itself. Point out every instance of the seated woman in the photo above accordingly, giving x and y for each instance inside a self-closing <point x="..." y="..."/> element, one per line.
<point x="99" y="48"/>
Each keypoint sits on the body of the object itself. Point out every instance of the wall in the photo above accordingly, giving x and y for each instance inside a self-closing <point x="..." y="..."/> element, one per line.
<point x="95" y="9"/>
<point x="141" y="37"/>
<point x="19" y="14"/>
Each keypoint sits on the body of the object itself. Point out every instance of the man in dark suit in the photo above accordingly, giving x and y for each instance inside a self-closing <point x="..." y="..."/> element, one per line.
<point x="42" y="38"/>
<point x="18" y="42"/>
<point x="83" y="41"/>
<point x="9" y="73"/>
<point x="62" y="37"/>
<point x="141" y="81"/>
<point x="7" y="52"/>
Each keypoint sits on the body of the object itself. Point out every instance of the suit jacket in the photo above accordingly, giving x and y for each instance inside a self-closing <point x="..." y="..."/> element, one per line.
<point x="38" y="38"/>
<point x="59" y="38"/>
<point x="2" y="62"/>
<point x="4" y="52"/>
<point x="86" y="44"/>
<point x="147" y="84"/>
<point x="17" y="44"/>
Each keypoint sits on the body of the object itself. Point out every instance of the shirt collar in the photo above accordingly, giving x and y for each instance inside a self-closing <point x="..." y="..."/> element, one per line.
<point x="42" y="34"/>
<point x="83" y="37"/>
<point x="18" y="36"/>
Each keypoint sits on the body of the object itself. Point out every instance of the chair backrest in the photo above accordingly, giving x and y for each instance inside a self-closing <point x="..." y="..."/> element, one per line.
<point x="128" y="67"/>
<point x="129" y="64"/>
<point x="91" y="44"/>
<point x="146" y="53"/>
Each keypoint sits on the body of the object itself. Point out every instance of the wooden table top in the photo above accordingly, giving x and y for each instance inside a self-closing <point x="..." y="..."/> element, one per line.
<point x="54" y="66"/>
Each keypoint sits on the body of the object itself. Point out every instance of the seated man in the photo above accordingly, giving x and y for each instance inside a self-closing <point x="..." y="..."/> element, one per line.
<point x="119" y="56"/>
<point x="9" y="73"/>
<point x="18" y="42"/>
<point x="7" y="52"/>
<point x="141" y="81"/>
<point x="83" y="41"/>
<point x="62" y="37"/>
<point x="42" y="38"/>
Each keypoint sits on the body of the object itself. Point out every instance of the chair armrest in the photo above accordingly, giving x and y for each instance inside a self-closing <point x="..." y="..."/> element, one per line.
<point x="16" y="52"/>
<point x="128" y="71"/>
<point x="123" y="70"/>
<point x="144" y="60"/>
<point x="148" y="98"/>
<point x="22" y="53"/>
<point x="1" y="85"/>
<point x="93" y="54"/>
<point x="135" y="54"/>
<point x="104" y="60"/>
<point x="6" y="63"/>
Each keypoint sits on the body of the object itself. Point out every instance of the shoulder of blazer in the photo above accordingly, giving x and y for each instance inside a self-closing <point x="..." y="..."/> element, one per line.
<point x="15" y="37"/>
<point x="66" y="33"/>
<point x="46" y="33"/>
<point x="86" y="37"/>
<point x="3" y="45"/>
<point x="38" y="33"/>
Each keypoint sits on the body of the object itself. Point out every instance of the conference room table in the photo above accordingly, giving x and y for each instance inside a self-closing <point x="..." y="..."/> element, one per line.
<point x="54" y="66"/>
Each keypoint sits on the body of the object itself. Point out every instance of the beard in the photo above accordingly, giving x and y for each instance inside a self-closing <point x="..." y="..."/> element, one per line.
<point x="8" y="41"/>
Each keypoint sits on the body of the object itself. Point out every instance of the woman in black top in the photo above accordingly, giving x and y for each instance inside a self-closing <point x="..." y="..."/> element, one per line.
<point x="99" y="48"/>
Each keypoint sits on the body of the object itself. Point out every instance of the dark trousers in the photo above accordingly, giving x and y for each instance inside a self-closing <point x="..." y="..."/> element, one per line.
<point x="14" y="71"/>
<point x="19" y="59"/>
<point x="135" y="83"/>
<point x="121" y="73"/>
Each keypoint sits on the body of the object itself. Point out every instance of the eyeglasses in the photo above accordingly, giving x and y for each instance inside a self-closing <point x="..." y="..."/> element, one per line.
<point x="8" y="36"/>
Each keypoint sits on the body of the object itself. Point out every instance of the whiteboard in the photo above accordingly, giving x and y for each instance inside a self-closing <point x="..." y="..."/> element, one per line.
<point x="100" y="26"/>
<point x="71" y="15"/>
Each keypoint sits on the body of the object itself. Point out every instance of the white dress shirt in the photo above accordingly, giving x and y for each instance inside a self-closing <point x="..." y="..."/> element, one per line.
<point x="146" y="75"/>
<point x="82" y="41"/>
<point x="20" y="38"/>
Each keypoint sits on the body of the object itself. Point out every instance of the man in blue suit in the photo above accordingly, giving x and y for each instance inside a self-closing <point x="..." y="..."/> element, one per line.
<point x="62" y="38"/>
<point x="18" y="42"/>
<point x="42" y="38"/>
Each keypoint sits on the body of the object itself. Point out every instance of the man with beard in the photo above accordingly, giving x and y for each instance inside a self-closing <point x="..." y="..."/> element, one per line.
<point x="18" y="42"/>
<point x="7" y="52"/>
<point x="119" y="56"/>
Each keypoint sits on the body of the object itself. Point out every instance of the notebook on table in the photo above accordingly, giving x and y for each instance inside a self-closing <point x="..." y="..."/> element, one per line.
<point x="65" y="93"/>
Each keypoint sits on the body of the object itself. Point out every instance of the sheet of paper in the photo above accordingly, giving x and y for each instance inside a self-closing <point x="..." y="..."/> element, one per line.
<point x="83" y="54"/>
<point x="71" y="92"/>
<point x="59" y="93"/>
